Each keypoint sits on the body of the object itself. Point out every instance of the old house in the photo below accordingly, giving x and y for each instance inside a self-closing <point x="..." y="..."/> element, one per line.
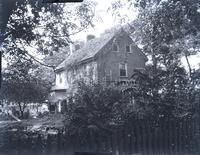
<point x="110" y="58"/>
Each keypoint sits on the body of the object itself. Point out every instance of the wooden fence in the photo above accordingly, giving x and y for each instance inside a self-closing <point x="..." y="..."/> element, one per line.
<point x="177" y="138"/>
<point x="141" y="138"/>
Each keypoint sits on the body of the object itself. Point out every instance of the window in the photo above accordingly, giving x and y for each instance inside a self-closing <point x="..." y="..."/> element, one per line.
<point x="123" y="69"/>
<point x="115" y="47"/>
<point x="128" y="48"/>
<point x="60" y="78"/>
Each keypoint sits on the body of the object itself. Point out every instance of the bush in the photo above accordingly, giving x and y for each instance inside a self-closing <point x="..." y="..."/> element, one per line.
<point x="95" y="108"/>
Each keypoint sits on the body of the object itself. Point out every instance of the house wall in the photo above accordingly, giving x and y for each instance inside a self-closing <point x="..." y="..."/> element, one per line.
<point x="87" y="72"/>
<point x="63" y="81"/>
<point x="108" y="61"/>
<point x="105" y="67"/>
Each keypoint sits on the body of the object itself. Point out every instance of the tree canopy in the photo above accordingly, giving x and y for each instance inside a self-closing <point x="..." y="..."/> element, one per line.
<point x="38" y="29"/>
<point x="167" y="31"/>
<point x="23" y="83"/>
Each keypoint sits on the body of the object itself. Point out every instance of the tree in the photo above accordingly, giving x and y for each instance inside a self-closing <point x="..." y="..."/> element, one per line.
<point x="167" y="31"/>
<point x="21" y="85"/>
<point x="171" y="102"/>
<point x="43" y="28"/>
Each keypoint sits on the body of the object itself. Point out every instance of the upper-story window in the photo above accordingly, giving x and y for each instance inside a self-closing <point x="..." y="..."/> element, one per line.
<point x="60" y="78"/>
<point x="115" y="47"/>
<point x="123" y="69"/>
<point x="128" y="48"/>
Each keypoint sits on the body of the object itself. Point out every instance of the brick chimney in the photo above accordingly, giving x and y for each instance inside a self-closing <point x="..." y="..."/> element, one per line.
<point x="77" y="47"/>
<point x="90" y="37"/>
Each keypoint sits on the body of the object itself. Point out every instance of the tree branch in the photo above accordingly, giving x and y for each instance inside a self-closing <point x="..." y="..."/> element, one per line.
<point x="32" y="57"/>
<point x="4" y="36"/>
<point x="41" y="63"/>
<point x="188" y="63"/>
<point x="24" y="106"/>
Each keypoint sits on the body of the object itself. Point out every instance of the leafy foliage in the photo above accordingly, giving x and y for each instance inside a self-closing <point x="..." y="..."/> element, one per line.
<point x="163" y="96"/>
<point x="21" y="85"/>
<point x="167" y="31"/>
<point x="43" y="28"/>
<point x="95" y="108"/>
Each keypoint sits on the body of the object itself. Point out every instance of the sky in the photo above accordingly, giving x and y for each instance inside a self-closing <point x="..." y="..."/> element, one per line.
<point x="105" y="19"/>
<point x="104" y="22"/>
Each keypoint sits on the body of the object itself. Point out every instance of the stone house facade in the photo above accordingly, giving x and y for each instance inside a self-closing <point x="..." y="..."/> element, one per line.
<point x="110" y="58"/>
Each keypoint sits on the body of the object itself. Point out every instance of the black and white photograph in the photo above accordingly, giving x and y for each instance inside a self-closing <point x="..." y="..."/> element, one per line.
<point x="99" y="77"/>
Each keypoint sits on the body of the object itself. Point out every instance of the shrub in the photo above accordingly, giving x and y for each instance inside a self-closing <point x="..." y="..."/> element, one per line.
<point x="95" y="108"/>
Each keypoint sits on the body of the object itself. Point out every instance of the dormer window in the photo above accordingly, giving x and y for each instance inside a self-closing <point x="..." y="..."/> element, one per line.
<point x="115" y="47"/>
<point x="128" y="48"/>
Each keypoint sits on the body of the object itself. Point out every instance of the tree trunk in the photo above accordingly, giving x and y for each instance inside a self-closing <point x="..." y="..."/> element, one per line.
<point x="154" y="60"/>
<point x="21" y="109"/>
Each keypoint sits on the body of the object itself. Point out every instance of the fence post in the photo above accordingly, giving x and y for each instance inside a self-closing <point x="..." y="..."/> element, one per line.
<point x="144" y="136"/>
<point x="149" y="135"/>
<point x="197" y="122"/>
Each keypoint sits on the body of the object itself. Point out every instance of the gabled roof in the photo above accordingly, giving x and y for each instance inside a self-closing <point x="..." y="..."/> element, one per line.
<point x="89" y="50"/>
